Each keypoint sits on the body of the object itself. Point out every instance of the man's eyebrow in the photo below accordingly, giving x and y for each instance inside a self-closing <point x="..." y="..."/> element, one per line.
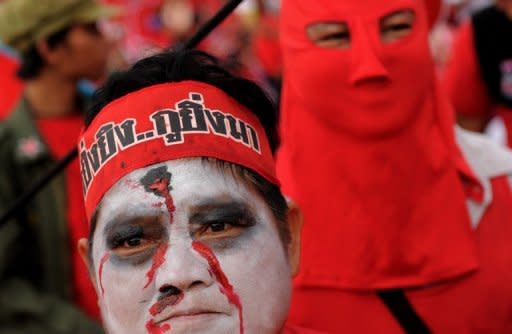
<point x="218" y="210"/>
<point x="124" y="219"/>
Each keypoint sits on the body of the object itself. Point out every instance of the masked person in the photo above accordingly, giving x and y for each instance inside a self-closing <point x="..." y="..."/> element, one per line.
<point x="41" y="273"/>
<point x="189" y="232"/>
<point x="482" y="60"/>
<point x="401" y="211"/>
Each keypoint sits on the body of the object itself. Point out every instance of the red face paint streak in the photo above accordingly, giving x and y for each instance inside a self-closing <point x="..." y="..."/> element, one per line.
<point x="100" y="271"/>
<point x="160" y="305"/>
<point x="158" y="260"/>
<point x="226" y="287"/>
<point x="161" y="187"/>
<point x="157" y="329"/>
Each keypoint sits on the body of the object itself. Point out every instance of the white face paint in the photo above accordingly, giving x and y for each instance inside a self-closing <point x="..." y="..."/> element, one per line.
<point x="154" y="272"/>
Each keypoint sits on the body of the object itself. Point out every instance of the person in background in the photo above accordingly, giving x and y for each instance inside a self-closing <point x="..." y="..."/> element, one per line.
<point x="407" y="219"/>
<point x="478" y="75"/>
<point x="43" y="283"/>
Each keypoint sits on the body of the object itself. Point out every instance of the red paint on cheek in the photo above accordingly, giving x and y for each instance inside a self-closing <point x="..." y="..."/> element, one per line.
<point x="158" y="260"/>
<point x="100" y="271"/>
<point x="161" y="187"/>
<point x="226" y="287"/>
<point x="157" y="329"/>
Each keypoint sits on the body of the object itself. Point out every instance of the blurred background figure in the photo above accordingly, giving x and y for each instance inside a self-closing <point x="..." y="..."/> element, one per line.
<point x="478" y="75"/>
<point x="43" y="282"/>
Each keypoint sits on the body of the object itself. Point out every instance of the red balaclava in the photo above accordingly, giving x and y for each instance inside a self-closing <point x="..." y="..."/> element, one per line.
<point x="368" y="152"/>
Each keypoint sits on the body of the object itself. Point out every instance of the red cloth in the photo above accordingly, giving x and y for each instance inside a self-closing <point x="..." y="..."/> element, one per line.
<point x="266" y="45"/>
<point x="506" y="115"/>
<point x="299" y="330"/>
<point x="369" y="154"/>
<point x="10" y="86"/>
<point x="60" y="134"/>
<point x="167" y="122"/>
<point x="462" y="67"/>
<point x="462" y="75"/>
<point x="476" y="303"/>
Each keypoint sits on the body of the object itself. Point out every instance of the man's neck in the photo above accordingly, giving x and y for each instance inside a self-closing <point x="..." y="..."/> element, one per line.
<point x="51" y="95"/>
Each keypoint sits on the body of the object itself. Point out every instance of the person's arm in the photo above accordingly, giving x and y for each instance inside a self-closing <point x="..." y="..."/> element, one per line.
<point x="464" y="85"/>
<point x="23" y="308"/>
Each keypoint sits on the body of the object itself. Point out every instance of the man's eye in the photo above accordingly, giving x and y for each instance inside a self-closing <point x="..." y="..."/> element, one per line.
<point x="133" y="242"/>
<point x="396" y="26"/>
<point x="133" y="246"/>
<point x="219" y="230"/>
<point x="217" y="226"/>
<point x="329" y="35"/>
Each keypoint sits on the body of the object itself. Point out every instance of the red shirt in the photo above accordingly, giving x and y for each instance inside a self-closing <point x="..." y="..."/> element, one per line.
<point x="299" y="330"/>
<point x="476" y="303"/>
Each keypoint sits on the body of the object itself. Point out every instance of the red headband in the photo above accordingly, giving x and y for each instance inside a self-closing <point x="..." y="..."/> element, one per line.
<point x="167" y="122"/>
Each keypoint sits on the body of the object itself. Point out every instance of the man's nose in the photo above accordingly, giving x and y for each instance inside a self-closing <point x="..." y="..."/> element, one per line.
<point x="366" y="64"/>
<point x="183" y="269"/>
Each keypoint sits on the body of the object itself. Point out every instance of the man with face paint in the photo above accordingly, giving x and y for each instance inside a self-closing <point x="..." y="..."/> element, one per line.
<point x="482" y="59"/>
<point x="189" y="231"/>
<point x="396" y="201"/>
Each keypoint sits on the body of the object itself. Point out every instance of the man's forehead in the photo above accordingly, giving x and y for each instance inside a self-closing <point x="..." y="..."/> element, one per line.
<point x="192" y="182"/>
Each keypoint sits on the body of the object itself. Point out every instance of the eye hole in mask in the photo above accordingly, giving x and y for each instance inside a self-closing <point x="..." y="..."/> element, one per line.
<point x="392" y="28"/>
<point x="329" y="34"/>
<point x="396" y="26"/>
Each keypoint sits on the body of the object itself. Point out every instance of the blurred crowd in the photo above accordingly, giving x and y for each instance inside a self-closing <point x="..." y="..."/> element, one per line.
<point x="247" y="41"/>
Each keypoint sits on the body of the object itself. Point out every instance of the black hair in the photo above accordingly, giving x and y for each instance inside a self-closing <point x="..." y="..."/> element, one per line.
<point x="31" y="60"/>
<point x="181" y="65"/>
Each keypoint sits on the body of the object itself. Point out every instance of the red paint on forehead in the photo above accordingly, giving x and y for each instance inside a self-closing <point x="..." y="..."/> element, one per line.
<point x="157" y="329"/>
<point x="226" y="287"/>
<point x="100" y="272"/>
<point x="161" y="187"/>
<point x="158" y="260"/>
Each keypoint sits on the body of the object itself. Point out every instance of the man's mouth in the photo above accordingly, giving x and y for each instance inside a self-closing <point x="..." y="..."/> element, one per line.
<point x="187" y="315"/>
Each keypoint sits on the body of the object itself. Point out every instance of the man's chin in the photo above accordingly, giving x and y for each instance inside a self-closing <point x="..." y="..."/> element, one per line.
<point x="203" y="323"/>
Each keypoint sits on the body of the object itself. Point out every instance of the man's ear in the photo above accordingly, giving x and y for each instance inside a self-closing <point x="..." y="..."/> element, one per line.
<point x="83" y="250"/>
<point x="295" y="220"/>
